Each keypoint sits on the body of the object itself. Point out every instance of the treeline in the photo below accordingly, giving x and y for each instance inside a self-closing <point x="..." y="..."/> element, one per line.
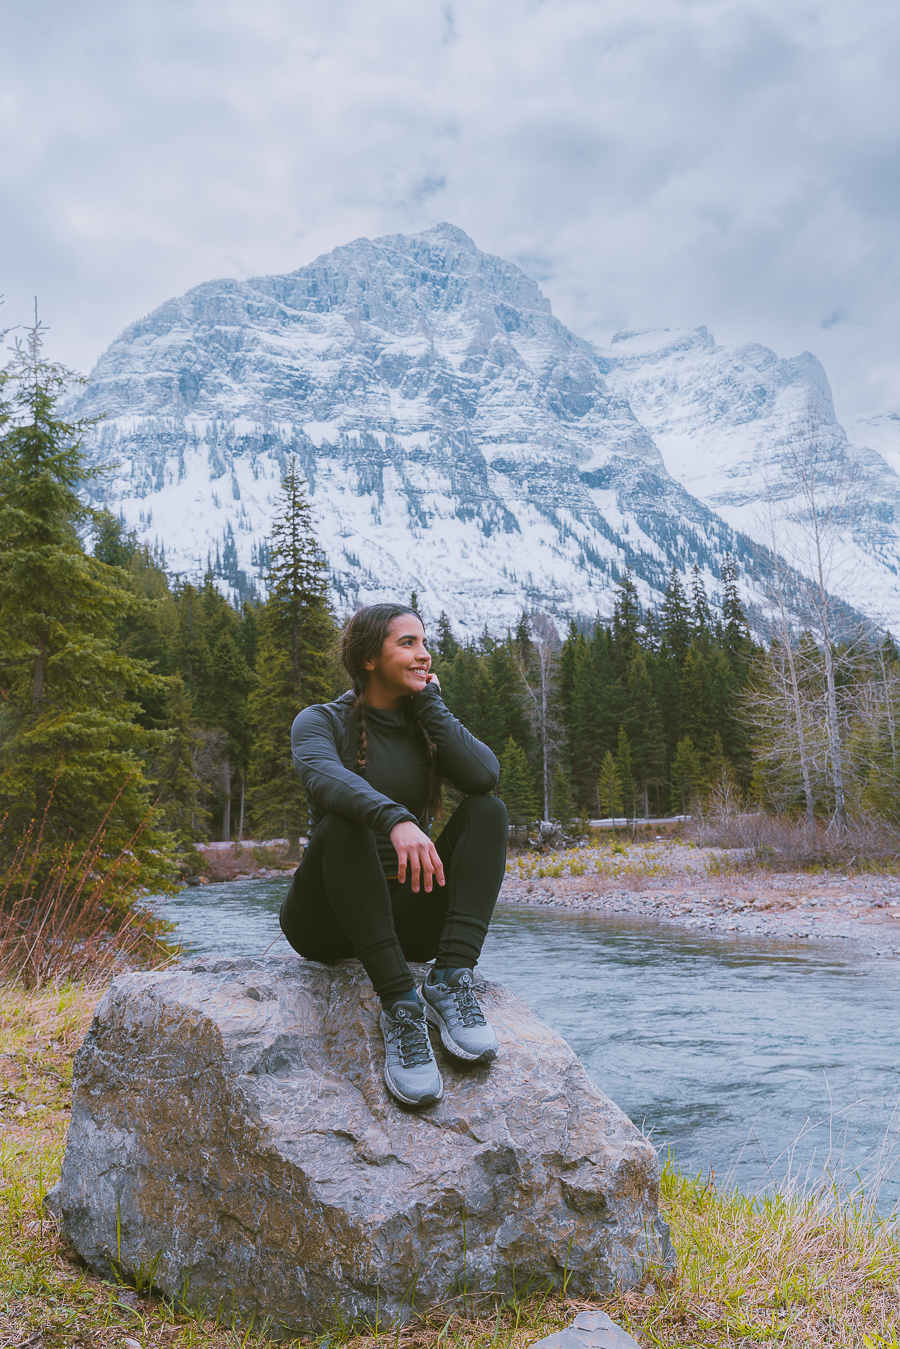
<point x="637" y="715"/>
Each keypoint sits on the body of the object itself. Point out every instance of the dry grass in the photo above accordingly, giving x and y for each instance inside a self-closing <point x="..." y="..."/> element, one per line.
<point x="785" y="1269"/>
<point x="72" y="914"/>
<point x="761" y="841"/>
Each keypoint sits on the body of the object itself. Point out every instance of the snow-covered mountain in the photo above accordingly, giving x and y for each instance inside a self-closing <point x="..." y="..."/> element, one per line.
<point x="457" y="438"/>
<point x="728" y="423"/>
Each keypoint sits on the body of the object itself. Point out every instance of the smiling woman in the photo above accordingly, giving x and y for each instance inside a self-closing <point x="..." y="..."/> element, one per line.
<point x="372" y="883"/>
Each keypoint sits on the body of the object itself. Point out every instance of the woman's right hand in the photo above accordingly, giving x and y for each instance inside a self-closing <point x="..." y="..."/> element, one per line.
<point x="415" y="849"/>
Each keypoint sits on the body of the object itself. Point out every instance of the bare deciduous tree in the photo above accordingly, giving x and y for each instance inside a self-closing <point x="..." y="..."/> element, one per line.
<point x="536" y="663"/>
<point x="808" y="508"/>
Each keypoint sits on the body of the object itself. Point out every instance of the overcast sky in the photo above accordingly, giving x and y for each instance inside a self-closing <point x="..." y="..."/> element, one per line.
<point x="650" y="162"/>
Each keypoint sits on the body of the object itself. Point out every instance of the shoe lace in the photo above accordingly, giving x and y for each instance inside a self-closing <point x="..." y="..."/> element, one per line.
<point x="411" y="1038"/>
<point x="470" y="1013"/>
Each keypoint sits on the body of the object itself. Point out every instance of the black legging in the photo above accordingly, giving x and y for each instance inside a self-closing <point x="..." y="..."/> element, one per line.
<point x="340" y="903"/>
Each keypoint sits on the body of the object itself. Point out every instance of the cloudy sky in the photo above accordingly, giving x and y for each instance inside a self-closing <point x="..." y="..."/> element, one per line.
<point x="649" y="162"/>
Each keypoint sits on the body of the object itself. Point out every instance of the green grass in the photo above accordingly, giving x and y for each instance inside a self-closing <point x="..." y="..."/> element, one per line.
<point x="779" y="1270"/>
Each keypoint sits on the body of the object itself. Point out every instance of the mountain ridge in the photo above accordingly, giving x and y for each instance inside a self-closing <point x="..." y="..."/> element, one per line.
<point x="457" y="438"/>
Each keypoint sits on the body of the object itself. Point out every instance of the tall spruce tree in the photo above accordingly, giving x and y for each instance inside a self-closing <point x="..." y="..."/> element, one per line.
<point x="676" y="618"/>
<point x="516" y="787"/>
<point x="294" y="666"/>
<point x="71" y="749"/>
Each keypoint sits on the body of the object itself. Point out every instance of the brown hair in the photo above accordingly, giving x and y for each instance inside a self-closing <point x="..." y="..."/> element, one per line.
<point x="362" y="639"/>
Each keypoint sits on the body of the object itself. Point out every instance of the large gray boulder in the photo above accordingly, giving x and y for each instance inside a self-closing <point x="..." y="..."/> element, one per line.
<point x="231" y="1130"/>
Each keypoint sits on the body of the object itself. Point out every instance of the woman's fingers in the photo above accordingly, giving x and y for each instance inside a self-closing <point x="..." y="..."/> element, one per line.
<point x="416" y="854"/>
<point x="415" y="869"/>
<point x="438" y="864"/>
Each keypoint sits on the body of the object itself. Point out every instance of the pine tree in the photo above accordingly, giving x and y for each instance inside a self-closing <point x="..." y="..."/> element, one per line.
<point x="294" y="667"/>
<point x="563" y="805"/>
<point x="697" y="718"/>
<point x="626" y="619"/>
<point x="736" y="633"/>
<point x="676" y="618"/>
<point x="687" y="776"/>
<point x="516" y="786"/>
<point x="625" y="769"/>
<point x="609" y="788"/>
<point x="700" y="610"/>
<point x="180" y="791"/>
<point x="643" y="726"/>
<point x="446" y="646"/>
<point x="71" y="750"/>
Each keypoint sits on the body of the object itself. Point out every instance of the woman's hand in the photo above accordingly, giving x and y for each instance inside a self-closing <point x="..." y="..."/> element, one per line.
<point x="433" y="679"/>
<point x="414" y="847"/>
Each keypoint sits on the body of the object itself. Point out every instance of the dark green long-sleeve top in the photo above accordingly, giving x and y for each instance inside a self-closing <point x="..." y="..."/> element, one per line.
<point x="324" y="747"/>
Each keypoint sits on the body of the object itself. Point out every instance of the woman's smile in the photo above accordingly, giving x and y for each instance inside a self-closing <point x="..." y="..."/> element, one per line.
<point x="400" y="670"/>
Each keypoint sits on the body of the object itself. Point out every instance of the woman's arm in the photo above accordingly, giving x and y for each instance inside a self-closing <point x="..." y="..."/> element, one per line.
<point x="329" y="783"/>
<point x="463" y="760"/>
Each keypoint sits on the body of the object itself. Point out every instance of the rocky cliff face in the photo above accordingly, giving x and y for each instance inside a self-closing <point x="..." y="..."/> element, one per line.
<point x="457" y="438"/>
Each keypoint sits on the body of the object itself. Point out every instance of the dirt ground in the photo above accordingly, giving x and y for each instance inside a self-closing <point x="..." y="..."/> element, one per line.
<point x="702" y="888"/>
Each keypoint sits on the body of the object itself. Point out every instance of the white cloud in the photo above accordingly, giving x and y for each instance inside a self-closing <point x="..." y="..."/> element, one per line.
<point x="651" y="162"/>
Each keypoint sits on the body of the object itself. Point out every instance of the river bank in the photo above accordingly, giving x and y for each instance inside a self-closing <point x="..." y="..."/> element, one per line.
<point x="708" y="889"/>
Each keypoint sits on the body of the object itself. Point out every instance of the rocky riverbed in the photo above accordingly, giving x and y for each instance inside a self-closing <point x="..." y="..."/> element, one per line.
<point x="706" y="888"/>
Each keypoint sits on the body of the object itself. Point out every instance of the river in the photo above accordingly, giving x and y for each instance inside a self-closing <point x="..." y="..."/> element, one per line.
<point x="743" y="1056"/>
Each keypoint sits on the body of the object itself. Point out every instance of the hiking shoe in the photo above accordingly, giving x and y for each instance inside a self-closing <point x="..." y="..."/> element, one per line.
<point x="410" y="1070"/>
<point x="454" y="1009"/>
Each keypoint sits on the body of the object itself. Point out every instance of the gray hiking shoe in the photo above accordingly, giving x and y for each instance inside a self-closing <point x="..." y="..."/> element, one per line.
<point x="410" y="1070"/>
<point x="454" y="1009"/>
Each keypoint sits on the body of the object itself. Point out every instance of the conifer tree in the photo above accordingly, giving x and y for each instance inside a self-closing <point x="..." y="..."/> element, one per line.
<point x="294" y="666"/>
<point x="736" y="633"/>
<point x="625" y="769"/>
<point x="179" y="789"/>
<point x="609" y="788"/>
<point x="71" y="750"/>
<point x="626" y="619"/>
<point x="701" y="613"/>
<point x="516" y="787"/>
<point x="643" y="727"/>
<point x="676" y="618"/>
<point x="446" y="645"/>
<point x="563" y="805"/>
<point x="687" y="776"/>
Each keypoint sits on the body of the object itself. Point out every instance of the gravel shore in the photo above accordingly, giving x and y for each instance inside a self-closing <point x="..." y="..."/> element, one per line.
<point x="694" y="888"/>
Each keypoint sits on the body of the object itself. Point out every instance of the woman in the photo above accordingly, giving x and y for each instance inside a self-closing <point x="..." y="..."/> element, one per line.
<point x="372" y="884"/>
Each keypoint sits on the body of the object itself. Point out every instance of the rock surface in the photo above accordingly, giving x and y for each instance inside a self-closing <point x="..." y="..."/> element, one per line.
<point x="230" y="1122"/>
<point x="589" y="1330"/>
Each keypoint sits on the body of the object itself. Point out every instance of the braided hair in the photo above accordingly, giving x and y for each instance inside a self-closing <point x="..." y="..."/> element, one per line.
<point x="362" y="639"/>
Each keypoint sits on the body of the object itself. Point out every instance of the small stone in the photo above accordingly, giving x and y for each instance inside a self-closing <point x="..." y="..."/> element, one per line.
<point x="589" y="1330"/>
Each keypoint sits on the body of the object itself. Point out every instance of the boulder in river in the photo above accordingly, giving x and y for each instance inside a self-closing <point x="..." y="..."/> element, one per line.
<point x="231" y="1131"/>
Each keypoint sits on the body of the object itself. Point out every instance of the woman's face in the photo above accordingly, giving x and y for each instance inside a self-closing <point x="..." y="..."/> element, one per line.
<point x="401" y="666"/>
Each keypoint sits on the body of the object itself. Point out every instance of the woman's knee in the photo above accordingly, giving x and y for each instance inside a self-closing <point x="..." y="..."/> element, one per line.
<point x="488" y="808"/>
<point x="338" y="829"/>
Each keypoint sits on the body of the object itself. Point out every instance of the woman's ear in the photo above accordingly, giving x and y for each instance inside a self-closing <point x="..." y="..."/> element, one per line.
<point x="369" y="665"/>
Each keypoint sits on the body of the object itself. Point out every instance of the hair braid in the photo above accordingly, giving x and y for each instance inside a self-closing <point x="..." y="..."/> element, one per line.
<point x="434" y="804"/>
<point x="359" y="707"/>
